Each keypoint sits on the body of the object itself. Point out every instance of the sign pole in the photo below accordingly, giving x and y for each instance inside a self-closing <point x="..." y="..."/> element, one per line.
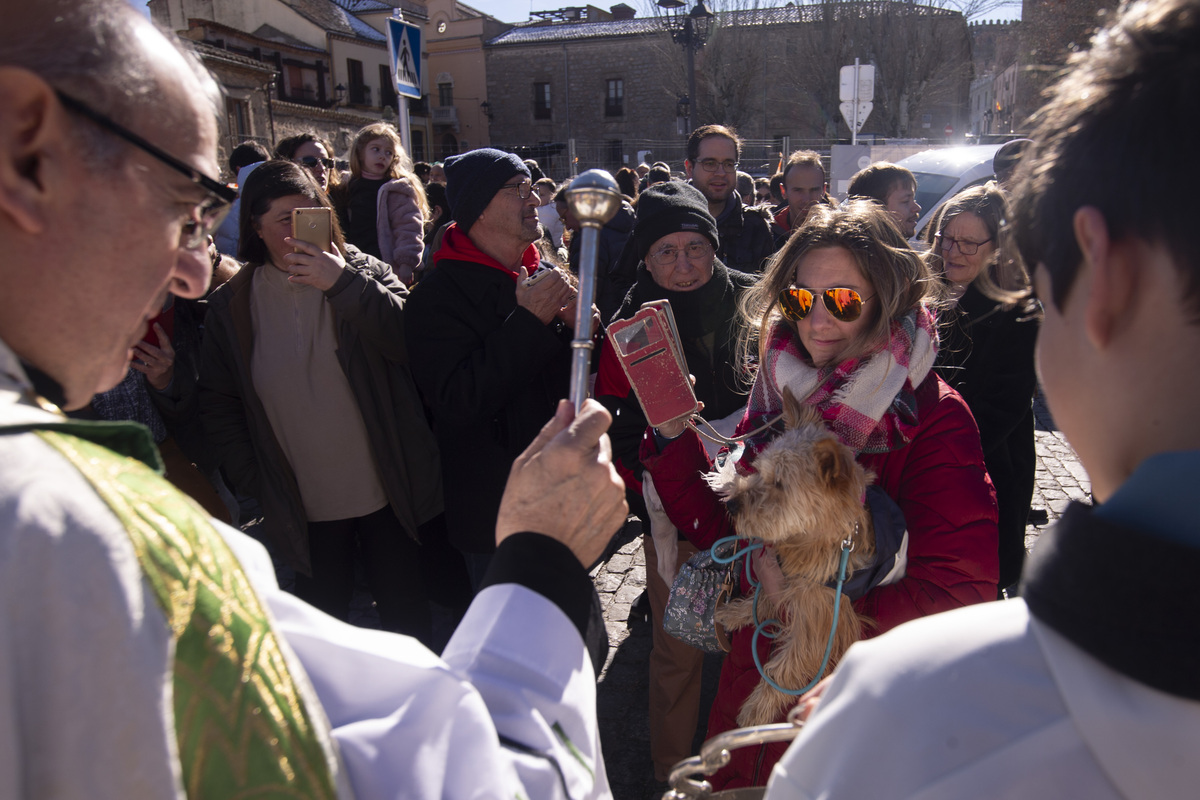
<point x="854" y="127"/>
<point x="403" y="124"/>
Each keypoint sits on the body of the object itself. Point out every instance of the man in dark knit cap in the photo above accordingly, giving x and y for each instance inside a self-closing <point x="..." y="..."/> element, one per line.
<point x="676" y="241"/>
<point x="490" y="354"/>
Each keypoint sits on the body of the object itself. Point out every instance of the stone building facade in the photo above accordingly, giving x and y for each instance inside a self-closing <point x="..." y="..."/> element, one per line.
<point x="1049" y="33"/>
<point x="606" y="92"/>
<point x="289" y="66"/>
<point x="458" y="101"/>
<point x="993" y="52"/>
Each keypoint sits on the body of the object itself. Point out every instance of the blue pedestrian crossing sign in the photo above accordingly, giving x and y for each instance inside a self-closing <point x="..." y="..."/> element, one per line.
<point x="404" y="46"/>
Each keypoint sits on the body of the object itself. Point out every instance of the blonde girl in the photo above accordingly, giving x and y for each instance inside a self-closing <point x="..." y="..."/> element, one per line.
<point x="383" y="208"/>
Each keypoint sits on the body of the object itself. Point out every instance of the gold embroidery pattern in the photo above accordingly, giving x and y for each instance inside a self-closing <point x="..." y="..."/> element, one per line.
<point x="240" y="721"/>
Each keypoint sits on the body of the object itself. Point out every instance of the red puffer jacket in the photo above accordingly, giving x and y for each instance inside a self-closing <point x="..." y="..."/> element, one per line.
<point x="940" y="484"/>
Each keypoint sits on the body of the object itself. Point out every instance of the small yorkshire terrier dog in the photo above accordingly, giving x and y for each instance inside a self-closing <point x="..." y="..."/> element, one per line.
<point x="804" y="498"/>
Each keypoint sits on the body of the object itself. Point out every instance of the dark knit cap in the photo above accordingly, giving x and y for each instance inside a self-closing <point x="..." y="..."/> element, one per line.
<point x="473" y="178"/>
<point x="671" y="207"/>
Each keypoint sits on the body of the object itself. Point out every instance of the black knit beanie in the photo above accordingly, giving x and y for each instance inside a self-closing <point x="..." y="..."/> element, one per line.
<point x="473" y="178"/>
<point x="671" y="207"/>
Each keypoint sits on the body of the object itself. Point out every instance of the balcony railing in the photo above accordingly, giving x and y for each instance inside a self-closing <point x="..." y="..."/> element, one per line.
<point x="446" y="115"/>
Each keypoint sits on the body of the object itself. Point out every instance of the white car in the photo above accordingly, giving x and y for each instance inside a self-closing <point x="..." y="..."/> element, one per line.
<point x="941" y="174"/>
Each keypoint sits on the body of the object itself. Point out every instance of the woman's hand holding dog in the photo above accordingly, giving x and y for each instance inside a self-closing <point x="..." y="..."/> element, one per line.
<point x="766" y="567"/>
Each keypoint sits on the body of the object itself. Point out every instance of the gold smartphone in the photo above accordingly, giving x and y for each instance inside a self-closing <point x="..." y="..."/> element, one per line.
<point x="315" y="226"/>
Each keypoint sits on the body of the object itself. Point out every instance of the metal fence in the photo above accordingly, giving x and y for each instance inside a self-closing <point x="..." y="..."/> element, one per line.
<point x="760" y="157"/>
<point x="561" y="160"/>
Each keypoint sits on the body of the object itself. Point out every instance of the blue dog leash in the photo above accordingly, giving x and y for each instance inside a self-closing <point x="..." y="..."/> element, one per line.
<point x="760" y="628"/>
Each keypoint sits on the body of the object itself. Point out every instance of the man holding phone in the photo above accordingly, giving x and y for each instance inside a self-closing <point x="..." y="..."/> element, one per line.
<point x="490" y="346"/>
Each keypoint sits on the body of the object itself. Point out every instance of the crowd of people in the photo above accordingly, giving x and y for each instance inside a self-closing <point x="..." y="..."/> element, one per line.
<point x="391" y="404"/>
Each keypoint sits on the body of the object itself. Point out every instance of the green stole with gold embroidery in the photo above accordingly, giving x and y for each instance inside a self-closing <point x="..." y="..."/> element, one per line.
<point x="241" y="724"/>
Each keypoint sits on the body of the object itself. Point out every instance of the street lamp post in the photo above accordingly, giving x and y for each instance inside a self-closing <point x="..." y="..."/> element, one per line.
<point x="691" y="32"/>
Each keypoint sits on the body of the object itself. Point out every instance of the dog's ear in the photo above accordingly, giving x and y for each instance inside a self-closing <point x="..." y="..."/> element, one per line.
<point x="834" y="462"/>
<point x="795" y="413"/>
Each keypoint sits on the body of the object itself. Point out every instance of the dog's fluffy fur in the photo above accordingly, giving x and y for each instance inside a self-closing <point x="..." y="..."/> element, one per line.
<point x="804" y="497"/>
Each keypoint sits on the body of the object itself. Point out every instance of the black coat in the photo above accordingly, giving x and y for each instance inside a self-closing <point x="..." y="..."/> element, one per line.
<point x="746" y="239"/>
<point x="368" y="301"/>
<point x="492" y="374"/>
<point x="708" y="323"/>
<point x="986" y="353"/>
<point x="612" y="282"/>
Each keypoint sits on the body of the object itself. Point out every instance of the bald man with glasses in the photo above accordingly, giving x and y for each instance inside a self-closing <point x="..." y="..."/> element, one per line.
<point x="147" y="649"/>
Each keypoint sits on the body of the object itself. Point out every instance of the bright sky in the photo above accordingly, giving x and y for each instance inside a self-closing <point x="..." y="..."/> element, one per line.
<point x="518" y="10"/>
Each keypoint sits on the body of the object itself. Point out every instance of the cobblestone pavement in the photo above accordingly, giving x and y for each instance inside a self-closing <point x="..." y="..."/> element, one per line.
<point x="623" y="687"/>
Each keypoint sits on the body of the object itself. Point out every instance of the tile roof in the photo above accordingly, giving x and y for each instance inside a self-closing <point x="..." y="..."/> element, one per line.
<point x="331" y="17"/>
<point x="360" y="6"/>
<point x="271" y="34"/>
<point x="559" y="32"/>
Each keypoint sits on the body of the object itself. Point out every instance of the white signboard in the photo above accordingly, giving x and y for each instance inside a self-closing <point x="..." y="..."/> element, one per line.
<point x="866" y="83"/>
<point x="856" y="90"/>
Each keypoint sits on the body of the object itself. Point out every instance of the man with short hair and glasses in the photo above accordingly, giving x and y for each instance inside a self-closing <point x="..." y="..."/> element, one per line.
<point x="489" y="340"/>
<point x="711" y="166"/>
<point x="148" y="651"/>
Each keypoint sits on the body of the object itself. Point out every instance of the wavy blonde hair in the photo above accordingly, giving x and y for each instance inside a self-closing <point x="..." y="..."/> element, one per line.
<point x="898" y="276"/>
<point x="402" y="166"/>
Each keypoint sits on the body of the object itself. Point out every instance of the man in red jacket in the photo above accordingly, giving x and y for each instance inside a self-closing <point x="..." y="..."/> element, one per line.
<point x="490" y="352"/>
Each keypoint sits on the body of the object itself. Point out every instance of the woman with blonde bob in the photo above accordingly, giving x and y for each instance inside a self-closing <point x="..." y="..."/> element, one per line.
<point x="989" y="332"/>
<point x="844" y="319"/>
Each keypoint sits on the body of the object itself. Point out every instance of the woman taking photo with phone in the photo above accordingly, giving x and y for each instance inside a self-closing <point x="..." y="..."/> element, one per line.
<point x="304" y="354"/>
<point x="844" y="320"/>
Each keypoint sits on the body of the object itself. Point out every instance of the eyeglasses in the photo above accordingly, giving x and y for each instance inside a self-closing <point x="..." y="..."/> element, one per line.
<point x="964" y="247"/>
<point x="844" y="305"/>
<point x="666" y="256"/>
<point x="711" y="165"/>
<point x="312" y="161"/>
<point x="207" y="215"/>
<point x="524" y="188"/>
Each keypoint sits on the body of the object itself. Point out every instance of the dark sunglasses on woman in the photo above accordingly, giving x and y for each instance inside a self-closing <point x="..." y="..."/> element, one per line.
<point x="844" y="305"/>
<point x="312" y="161"/>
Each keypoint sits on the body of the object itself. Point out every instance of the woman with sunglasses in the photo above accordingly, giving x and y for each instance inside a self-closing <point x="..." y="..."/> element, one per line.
<point x="314" y="154"/>
<point x="988" y="337"/>
<point x="843" y="318"/>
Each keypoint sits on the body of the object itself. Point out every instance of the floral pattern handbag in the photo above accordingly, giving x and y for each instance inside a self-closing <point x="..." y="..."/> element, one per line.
<point x="702" y="586"/>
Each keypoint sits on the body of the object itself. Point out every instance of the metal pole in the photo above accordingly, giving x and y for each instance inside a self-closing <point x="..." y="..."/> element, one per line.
<point x="689" y="46"/>
<point x="581" y="345"/>
<point x="854" y="124"/>
<point x="405" y="133"/>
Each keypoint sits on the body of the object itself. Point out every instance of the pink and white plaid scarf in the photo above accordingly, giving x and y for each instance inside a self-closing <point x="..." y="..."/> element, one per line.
<point x="867" y="402"/>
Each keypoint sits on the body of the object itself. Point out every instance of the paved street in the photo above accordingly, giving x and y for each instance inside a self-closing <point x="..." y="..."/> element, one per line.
<point x="624" y="681"/>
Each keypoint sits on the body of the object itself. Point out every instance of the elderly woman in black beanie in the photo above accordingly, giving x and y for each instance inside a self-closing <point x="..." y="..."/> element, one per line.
<point x="676" y="240"/>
